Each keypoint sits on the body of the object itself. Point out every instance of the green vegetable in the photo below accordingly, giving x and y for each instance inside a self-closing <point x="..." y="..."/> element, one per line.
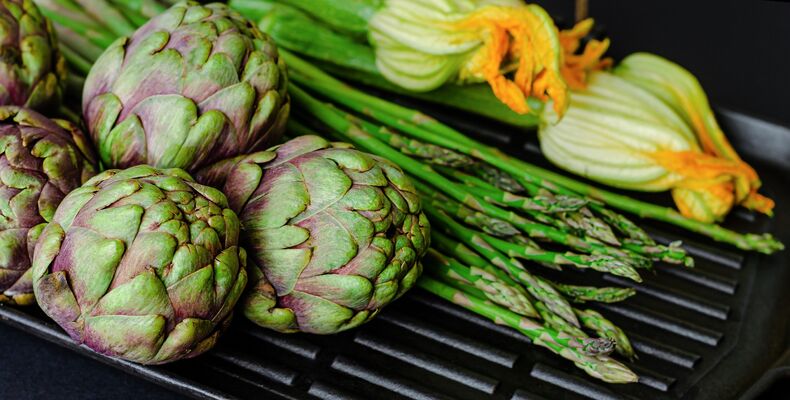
<point x="197" y="84"/>
<point x="580" y="294"/>
<point x="41" y="160"/>
<point x="593" y="320"/>
<point x="141" y="264"/>
<point x="336" y="234"/>
<point x="32" y="70"/>
<point x="680" y="90"/>
<point x="633" y="140"/>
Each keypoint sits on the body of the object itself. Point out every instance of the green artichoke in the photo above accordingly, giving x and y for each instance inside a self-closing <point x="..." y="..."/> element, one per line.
<point x="193" y="85"/>
<point x="41" y="160"/>
<point x="32" y="70"/>
<point x="141" y="264"/>
<point x="335" y="234"/>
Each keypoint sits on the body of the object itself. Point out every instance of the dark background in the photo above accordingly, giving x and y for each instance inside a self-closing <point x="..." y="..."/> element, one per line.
<point x="739" y="50"/>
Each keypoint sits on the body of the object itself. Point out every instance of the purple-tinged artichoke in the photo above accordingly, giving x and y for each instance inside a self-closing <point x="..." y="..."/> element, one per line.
<point x="335" y="234"/>
<point x="32" y="70"/>
<point x="41" y="160"/>
<point x="141" y="264"/>
<point x="193" y="85"/>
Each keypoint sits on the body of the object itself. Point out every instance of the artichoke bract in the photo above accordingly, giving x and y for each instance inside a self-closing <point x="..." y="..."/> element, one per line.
<point x="41" y="161"/>
<point x="141" y="264"/>
<point x="335" y="234"/>
<point x="193" y="85"/>
<point x="32" y="70"/>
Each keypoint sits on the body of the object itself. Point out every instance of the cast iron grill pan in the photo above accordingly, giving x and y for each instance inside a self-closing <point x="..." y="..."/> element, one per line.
<point x="702" y="333"/>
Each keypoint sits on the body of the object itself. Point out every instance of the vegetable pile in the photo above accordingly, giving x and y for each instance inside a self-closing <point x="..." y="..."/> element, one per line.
<point x="147" y="262"/>
<point x="646" y="126"/>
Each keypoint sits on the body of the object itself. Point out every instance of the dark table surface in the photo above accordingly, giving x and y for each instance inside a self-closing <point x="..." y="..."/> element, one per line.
<point x="739" y="50"/>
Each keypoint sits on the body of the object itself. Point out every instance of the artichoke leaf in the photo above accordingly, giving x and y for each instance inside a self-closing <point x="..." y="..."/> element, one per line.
<point x="142" y="336"/>
<point x="143" y="295"/>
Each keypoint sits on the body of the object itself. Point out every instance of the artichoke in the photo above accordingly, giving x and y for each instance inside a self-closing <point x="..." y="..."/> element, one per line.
<point x="335" y="234"/>
<point x="41" y="160"/>
<point x="141" y="264"/>
<point x="193" y="85"/>
<point x="32" y="70"/>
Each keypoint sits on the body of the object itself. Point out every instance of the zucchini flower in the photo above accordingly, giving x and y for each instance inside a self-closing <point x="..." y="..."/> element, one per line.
<point x="421" y="45"/>
<point x="335" y="234"/>
<point x="681" y="90"/>
<point x="141" y="264"/>
<point x="194" y="85"/>
<point x="41" y="161"/>
<point x="618" y="133"/>
<point x="32" y="70"/>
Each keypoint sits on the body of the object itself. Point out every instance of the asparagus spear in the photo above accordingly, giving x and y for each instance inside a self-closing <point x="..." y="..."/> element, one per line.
<point x="432" y="154"/>
<point x="537" y="203"/>
<point x="573" y="349"/>
<point x="496" y="177"/>
<point x="428" y="129"/>
<point x="596" y="322"/>
<point x="580" y="294"/>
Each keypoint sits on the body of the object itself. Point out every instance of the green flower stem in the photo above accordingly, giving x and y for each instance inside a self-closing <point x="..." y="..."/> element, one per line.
<point x="570" y="348"/>
<point x="428" y="129"/>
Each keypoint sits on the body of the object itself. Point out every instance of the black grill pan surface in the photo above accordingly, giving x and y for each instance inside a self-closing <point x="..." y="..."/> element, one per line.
<point x="713" y="332"/>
